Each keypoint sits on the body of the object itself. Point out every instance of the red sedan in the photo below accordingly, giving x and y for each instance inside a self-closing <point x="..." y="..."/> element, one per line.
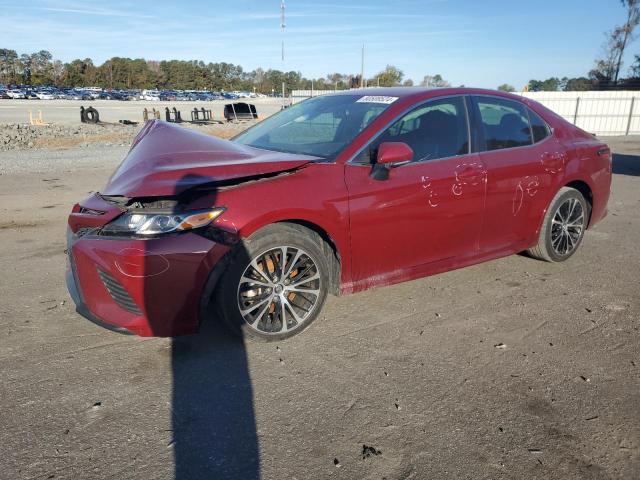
<point x="337" y="194"/>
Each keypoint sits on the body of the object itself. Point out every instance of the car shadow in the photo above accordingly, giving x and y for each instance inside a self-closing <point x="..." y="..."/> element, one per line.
<point x="624" y="164"/>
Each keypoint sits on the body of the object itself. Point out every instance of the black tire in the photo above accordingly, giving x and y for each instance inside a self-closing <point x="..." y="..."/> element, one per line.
<point x="554" y="234"/>
<point x="230" y="292"/>
<point x="91" y="115"/>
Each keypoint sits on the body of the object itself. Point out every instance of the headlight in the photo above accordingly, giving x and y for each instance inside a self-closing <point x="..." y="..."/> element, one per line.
<point x="135" y="223"/>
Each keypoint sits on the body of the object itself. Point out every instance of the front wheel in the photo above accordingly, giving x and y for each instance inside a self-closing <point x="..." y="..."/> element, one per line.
<point x="563" y="228"/>
<point x="275" y="285"/>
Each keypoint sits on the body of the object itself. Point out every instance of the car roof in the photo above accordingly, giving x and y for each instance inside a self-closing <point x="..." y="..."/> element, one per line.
<point x="421" y="92"/>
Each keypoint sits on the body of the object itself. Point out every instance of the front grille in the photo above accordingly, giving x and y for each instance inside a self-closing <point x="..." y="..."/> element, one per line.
<point x="118" y="293"/>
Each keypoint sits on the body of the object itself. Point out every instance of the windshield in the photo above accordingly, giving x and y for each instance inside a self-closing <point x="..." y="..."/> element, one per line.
<point x="321" y="126"/>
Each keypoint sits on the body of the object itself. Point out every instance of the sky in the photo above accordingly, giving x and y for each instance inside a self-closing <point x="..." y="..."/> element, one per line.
<point x="481" y="43"/>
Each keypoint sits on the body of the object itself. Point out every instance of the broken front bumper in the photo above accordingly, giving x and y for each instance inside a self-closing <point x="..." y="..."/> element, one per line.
<point x="148" y="287"/>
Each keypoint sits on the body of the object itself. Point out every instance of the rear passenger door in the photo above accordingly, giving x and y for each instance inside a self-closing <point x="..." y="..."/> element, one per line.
<point x="521" y="158"/>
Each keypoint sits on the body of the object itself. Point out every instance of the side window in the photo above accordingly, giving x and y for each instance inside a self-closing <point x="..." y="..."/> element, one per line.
<point x="505" y="123"/>
<point x="437" y="129"/>
<point x="539" y="127"/>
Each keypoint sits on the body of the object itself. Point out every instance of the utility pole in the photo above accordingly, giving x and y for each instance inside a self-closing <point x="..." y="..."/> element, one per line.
<point x="362" y="69"/>
<point x="282" y="25"/>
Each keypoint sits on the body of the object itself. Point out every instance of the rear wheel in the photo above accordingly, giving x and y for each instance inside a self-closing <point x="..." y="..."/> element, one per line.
<point x="563" y="228"/>
<point x="275" y="285"/>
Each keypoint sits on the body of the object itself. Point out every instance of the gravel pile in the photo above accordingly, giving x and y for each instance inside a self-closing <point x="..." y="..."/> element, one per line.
<point x="14" y="136"/>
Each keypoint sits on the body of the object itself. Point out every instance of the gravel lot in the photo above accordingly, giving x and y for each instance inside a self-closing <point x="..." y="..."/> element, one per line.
<point x="510" y="369"/>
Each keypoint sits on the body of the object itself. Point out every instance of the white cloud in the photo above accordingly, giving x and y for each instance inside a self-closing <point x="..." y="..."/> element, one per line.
<point x="100" y="12"/>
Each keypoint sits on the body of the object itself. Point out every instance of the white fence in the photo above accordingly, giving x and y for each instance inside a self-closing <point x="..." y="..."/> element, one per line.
<point x="601" y="113"/>
<point x="300" y="95"/>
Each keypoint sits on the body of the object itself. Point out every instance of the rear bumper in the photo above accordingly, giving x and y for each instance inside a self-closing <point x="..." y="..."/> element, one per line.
<point x="148" y="287"/>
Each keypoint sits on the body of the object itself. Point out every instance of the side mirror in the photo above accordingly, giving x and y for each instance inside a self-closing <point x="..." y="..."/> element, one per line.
<point x="394" y="152"/>
<point x="390" y="153"/>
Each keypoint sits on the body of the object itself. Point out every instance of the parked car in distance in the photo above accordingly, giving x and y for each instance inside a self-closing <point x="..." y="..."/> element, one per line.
<point x="45" y="95"/>
<point x="78" y="95"/>
<point x="336" y="194"/>
<point x="151" y="95"/>
<point x="16" y="94"/>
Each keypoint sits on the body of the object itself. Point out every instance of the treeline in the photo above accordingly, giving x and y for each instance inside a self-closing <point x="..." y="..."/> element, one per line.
<point x="40" y="68"/>
<point x="593" y="82"/>
<point x="578" y="84"/>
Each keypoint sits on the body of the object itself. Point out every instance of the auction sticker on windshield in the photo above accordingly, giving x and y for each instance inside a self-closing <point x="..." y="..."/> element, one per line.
<point x="376" y="99"/>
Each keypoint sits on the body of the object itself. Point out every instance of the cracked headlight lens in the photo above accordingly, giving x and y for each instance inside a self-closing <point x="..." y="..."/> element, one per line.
<point x="137" y="223"/>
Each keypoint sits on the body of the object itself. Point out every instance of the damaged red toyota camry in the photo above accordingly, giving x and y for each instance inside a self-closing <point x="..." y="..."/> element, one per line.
<point x="337" y="194"/>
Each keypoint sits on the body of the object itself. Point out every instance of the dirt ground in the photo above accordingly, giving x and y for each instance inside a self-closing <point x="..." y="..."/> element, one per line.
<point x="514" y="369"/>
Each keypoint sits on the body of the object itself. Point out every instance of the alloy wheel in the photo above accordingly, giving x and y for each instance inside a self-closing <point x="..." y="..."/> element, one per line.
<point x="279" y="290"/>
<point x="567" y="226"/>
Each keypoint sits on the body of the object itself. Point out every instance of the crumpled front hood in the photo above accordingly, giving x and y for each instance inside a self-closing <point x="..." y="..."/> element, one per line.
<point x="166" y="159"/>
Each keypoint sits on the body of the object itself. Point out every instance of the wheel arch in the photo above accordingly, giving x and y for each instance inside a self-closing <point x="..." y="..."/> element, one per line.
<point x="328" y="245"/>
<point x="325" y="240"/>
<point x="579" y="184"/>
<point x="584" y="188"/>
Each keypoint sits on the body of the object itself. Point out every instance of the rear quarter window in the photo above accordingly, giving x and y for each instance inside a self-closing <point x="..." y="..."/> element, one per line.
<point x="505" y="124"/>
<point x="539" y="127"/>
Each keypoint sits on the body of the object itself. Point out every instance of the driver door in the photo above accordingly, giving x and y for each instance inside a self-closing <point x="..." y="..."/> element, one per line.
<point x="429" y="209"/>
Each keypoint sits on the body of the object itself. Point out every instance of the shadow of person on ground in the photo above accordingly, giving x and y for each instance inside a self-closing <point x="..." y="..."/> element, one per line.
<point x="214" y="429"/>
<point x="624" y="164"/>
<point x="213" y="421"/>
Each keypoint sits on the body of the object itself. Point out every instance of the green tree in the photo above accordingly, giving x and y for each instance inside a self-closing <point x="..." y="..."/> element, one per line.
<point x="41" y="65"/>
<point x="607" y="68"/>
<point x="549" y="85"/>
<point x="57" y="70"/>
<point x="505" y="87"/>
<point x="623" y="35"/>
<point x="432" y="81"/>
<point x="634" y="70"/>
<point x="24" y="66"/>
<point x="339" y="81"/>
<point x="389" y="77"/>
<point x="577" y="84"/>
<point x="120" y="72"/>
<point x="8" y="66"/>
<point x="78" y="73"/>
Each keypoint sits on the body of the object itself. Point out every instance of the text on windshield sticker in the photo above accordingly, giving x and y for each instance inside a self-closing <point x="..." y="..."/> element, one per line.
<point x="377" y="99"/>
